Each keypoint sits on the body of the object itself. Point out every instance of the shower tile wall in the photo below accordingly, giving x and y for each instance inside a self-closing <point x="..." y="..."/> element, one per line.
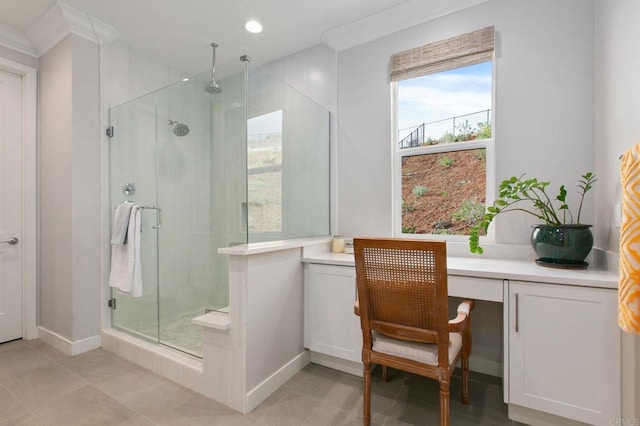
<point x="313" y="72"/>
<point x="184" y="181"/>
<point x="129" y="72"/>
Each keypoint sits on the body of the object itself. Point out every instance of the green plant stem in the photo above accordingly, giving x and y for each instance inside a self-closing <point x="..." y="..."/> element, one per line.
<point x="522" y="210"/>
<point x="548" y="209"/>
<point x="546" y="213"/>
<point x="580" y="209"/>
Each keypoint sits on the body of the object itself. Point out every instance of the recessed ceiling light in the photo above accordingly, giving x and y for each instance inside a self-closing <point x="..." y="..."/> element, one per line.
<point x="253" y="26"/>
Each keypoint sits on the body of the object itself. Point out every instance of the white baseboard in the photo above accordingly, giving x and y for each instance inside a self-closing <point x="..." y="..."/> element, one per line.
<point x="485" y="366"/>
<point x="340" y="364"/>
<point x="261" y="392"/>
<point x="538" y="418"/>
<point x="67" y="346"/>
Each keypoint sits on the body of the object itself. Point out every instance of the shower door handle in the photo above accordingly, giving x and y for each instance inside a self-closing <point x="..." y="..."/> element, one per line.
<point x="159" y="223"/>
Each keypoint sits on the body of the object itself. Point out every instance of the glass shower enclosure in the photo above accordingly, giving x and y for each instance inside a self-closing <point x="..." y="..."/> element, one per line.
<point x="249" y="164"/>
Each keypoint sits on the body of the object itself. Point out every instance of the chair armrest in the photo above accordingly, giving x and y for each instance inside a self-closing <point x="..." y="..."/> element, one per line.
<point x="356" y="308"/>
<point x="461" y="322"/>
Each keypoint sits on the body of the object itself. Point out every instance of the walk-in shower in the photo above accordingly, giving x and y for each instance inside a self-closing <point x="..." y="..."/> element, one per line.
<point x="248" y="164"/>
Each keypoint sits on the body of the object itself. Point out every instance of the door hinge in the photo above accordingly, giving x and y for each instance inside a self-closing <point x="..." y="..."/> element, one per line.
<point x="110" y="131"/>
<point x="112" y="303"/>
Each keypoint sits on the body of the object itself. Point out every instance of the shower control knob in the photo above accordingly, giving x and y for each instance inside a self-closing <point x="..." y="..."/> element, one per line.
<point x="129" y="188"/>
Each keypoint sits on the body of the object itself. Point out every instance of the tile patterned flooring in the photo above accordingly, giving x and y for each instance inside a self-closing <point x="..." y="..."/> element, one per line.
<point x="42" y="386"/>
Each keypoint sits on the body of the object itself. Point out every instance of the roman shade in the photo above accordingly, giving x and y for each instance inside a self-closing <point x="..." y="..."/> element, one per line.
<point x="455" y="52"/>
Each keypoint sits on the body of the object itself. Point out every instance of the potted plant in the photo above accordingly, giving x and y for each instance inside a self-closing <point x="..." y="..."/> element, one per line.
<point x="561" y="241"/>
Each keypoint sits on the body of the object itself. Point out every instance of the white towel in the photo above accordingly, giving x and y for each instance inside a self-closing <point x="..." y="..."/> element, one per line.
<point x="125" y="259"/>
<point x="121" y="223"/>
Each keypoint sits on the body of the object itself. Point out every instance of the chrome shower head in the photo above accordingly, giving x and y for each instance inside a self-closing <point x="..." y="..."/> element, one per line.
<point x="179" y="129"/>
<point x="213" y="87"/>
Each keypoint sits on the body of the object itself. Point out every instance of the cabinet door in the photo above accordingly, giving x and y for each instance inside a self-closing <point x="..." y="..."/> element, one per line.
<point x="564" y="351"/>
<point x="331" y="327"/>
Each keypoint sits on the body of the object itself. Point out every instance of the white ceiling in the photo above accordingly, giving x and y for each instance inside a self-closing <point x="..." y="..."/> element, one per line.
<point x="180" y="31"/>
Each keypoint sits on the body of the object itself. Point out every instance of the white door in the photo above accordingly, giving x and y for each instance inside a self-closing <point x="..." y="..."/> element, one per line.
<point x="10" y="206"/>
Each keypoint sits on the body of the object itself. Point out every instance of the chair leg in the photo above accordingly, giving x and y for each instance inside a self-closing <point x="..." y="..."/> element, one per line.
<point x="444" y="402"/>
<point x="384" y="373"/>
<point x="466" y="352"/>
<point x="465" y="380"/>
<point x="366" y="397"/>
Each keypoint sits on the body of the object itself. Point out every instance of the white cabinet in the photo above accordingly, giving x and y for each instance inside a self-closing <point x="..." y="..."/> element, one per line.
<point x="564" y="351"/>
<point x="331" y="327"/>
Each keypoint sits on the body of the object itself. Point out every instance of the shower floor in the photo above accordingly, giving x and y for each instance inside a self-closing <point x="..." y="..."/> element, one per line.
<point x="178" y="332"/>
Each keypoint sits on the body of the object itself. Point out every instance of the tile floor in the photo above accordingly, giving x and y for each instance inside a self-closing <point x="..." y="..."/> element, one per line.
<point x="41" y="386"/>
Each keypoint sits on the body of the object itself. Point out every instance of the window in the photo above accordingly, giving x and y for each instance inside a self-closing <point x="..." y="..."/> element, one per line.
<point x="264" y="180"/>
<point x="443" y="139"/>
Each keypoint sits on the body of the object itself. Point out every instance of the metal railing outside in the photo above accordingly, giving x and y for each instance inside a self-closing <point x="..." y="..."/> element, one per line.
<point x="436" y="131"/>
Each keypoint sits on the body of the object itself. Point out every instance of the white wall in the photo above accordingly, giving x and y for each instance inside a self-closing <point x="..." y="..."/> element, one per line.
<point x="616" y="109"/>
<point x="69" y="193"/>
<point x="543" y="106"/>
<point x="54" y="185"/>
<point x="85" y="188"/>
<point x="274" y="313"/>
<point x="617" y="128"/>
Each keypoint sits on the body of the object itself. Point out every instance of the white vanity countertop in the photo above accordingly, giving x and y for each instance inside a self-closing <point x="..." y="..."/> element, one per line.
<point x="481" y="267"/>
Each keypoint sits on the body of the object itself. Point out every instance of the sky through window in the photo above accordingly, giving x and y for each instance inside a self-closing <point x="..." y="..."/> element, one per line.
<point x="443" y="95"/>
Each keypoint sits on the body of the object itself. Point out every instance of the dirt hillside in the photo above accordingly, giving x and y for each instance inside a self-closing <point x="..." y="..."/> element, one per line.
<point x="435" y="186"/>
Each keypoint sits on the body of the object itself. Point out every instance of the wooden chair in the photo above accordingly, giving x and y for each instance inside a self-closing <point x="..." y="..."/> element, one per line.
<point x="404" y="315"/>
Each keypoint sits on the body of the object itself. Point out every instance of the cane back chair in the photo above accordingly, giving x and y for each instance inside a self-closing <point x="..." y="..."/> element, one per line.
<point x="404" y="315"/>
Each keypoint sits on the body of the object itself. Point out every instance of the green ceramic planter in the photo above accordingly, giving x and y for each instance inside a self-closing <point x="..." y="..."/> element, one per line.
<point x="562" y="246"/>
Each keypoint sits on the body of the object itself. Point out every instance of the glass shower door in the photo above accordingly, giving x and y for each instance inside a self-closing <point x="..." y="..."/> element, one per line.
<point x="133" y="178"/>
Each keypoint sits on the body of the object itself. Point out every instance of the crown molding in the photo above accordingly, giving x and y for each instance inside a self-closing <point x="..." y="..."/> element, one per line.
<point x="15" y="40"/>
<point x="389" y="21"/>
<point x="60" y="21"/>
